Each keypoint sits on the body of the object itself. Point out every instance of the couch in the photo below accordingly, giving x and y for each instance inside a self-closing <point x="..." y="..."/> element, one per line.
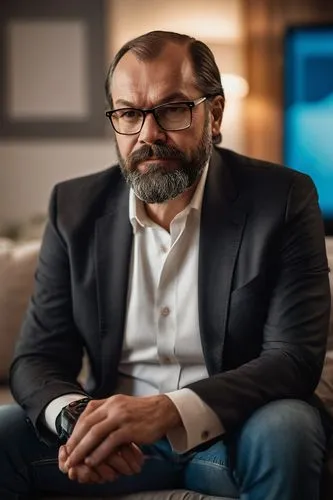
<point x="17" y="263"/>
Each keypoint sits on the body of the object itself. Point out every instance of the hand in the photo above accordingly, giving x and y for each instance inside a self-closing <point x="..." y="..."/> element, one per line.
<point x="81" y="473"/>
<point x="107" y="424"/>
<point x="127" y="460"/>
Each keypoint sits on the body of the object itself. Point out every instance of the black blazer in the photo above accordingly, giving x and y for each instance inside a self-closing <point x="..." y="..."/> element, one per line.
<point x="264" y="295"/>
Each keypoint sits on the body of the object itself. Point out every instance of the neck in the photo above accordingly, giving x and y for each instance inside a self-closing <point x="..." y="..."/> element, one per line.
<point x="163" y="213"/>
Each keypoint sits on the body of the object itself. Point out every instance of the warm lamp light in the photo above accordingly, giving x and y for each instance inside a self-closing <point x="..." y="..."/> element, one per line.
<point x="235" y="86"/>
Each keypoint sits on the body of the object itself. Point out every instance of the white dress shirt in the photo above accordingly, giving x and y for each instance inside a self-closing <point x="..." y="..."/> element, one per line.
<point x="162" y="349"/>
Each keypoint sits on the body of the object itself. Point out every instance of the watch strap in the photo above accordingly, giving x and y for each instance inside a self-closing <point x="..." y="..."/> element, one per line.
<point x="69" y="415"/>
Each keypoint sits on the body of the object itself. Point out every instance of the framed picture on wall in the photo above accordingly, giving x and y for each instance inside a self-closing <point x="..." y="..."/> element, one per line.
<point x="52" y="67"/>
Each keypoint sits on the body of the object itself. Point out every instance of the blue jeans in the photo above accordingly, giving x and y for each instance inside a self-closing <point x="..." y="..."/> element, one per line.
<point x="277" y="455"/>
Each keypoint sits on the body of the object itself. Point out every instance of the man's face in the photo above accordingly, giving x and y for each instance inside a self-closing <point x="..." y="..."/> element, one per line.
<point x="160" y="165"/>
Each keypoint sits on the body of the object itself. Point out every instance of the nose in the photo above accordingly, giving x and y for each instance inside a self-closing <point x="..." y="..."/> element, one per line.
<point x="151" y="132"/>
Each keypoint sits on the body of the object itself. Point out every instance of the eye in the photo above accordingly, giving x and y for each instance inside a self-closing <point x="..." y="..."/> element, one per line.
<point x="173" y="114"/>
<point x="174" y="110"/>
<point x="128" y="114"/>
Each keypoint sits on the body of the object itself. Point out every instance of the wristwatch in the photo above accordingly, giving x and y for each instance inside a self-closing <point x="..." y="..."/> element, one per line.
<point x="68" y="417"/>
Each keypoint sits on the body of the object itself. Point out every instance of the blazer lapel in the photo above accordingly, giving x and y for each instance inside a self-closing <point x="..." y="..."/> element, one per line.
<point x="222" y="222"/>
<point x="112" y="257"/>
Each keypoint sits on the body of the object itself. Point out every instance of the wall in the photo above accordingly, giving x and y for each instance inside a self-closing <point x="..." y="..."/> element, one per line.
<point x="29" y="169"/>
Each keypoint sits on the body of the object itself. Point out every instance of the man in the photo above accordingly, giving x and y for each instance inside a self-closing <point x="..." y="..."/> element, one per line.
<point x="199" y="289"/>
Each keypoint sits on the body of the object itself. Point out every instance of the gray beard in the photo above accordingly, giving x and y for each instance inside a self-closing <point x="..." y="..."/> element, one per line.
<point x="159" y="184"/>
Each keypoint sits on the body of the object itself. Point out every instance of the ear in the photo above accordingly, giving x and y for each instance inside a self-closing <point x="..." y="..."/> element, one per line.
<point x="217" y="107"/>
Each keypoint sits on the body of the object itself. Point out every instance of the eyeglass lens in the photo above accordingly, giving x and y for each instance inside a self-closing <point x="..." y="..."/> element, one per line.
<point x="170" y="117"/>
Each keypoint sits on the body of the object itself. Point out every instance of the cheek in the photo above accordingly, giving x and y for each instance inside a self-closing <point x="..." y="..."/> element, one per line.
<point x="125" y="145"/>
<point x="182" y="140"/>
<point x="188" y="141"/>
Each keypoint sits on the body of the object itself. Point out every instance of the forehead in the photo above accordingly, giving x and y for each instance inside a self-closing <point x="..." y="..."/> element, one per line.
<point x="149" y="82"/>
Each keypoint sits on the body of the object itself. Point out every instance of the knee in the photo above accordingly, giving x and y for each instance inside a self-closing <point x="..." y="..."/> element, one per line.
<point x="285" y="425"/>
<point x="11" y="419"/>
<point x="6" y="418"/>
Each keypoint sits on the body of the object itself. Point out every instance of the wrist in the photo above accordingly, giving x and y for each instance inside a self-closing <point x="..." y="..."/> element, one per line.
<point x="68" y="417"/>
<point x="170" y="410"/>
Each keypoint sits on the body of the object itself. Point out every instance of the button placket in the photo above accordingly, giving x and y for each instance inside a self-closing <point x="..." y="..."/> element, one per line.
<point x="166" y="302"/>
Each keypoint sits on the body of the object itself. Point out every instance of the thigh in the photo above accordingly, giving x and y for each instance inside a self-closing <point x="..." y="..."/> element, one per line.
<point x="20" y="449"/>
<point x="279" y="452"/>
<point x="283" y="430"/>
<point x="209" y="472"/>
<point x="29" y="466"/>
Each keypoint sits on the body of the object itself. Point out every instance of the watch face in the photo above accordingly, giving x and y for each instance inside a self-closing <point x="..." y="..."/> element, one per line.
<point x="77" y="407"/>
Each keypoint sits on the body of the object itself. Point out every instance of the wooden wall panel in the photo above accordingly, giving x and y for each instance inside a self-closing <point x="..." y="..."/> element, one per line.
<point x="265" y="23"/>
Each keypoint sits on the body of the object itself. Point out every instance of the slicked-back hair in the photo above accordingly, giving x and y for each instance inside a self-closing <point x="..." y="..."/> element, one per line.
<point x="149" y="46"/>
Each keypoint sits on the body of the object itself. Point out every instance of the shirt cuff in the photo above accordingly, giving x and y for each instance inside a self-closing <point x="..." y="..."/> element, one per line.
<point x="201" y="424"/>
<point x="53" y="409"/>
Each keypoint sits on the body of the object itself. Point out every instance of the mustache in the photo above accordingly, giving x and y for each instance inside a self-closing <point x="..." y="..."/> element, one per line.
<point x="162" y="151"/>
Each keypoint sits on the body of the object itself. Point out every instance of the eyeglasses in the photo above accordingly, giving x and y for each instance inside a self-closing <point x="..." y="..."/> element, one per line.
<point x="171" y="116"/>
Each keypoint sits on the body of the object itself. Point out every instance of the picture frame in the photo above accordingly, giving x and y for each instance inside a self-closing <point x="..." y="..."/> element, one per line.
<point x="52" y="62"/>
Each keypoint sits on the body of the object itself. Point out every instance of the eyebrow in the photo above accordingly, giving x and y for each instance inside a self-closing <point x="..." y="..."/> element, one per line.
<point x="168" y="98"/>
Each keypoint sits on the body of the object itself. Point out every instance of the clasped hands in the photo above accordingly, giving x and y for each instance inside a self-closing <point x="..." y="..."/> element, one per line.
<point x="104" y="443"/>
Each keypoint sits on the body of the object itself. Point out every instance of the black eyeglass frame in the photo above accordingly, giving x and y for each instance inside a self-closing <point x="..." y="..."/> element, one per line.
<point x="145" y="111"/>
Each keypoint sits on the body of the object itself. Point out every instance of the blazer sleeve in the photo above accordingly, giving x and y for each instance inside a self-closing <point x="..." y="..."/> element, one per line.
<point x="296" y="325"/>
<point x="48" y="355"/>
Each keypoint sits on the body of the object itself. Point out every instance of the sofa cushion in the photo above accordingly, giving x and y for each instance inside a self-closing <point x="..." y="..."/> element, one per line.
<point x="17" y="266"/>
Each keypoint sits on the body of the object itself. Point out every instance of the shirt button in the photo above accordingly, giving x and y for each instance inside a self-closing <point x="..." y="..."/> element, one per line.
<point x="204" y="435"/>
<point x="165" y="311"/>
<point x="163" y="249"/>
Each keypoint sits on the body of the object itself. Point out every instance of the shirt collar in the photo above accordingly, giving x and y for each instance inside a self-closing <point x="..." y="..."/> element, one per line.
<point x="137" y="213"/>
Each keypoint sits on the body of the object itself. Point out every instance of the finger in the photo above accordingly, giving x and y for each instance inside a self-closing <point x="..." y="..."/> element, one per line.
<point x="118" y="462"/>
<point x="106" y="472"/>
<point x="85" y="475"/>
<point x="62" y="457"/>
<point x="138" y="452"/>
<point x="72" y="473"/>
<point x="108" y="446"/>
<point x="132" y="458"/>
<point x="92" y="415"/>
<point x="92" y="439"/>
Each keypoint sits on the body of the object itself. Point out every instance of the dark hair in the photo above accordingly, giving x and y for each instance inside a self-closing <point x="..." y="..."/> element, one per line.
<point x="150" y="45"/>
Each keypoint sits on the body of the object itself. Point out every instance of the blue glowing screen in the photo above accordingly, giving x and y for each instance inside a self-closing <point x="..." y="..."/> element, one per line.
<point x="308" y="116"/>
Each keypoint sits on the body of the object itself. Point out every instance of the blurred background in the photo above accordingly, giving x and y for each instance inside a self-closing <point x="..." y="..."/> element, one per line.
<point x="275" y="58"/>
